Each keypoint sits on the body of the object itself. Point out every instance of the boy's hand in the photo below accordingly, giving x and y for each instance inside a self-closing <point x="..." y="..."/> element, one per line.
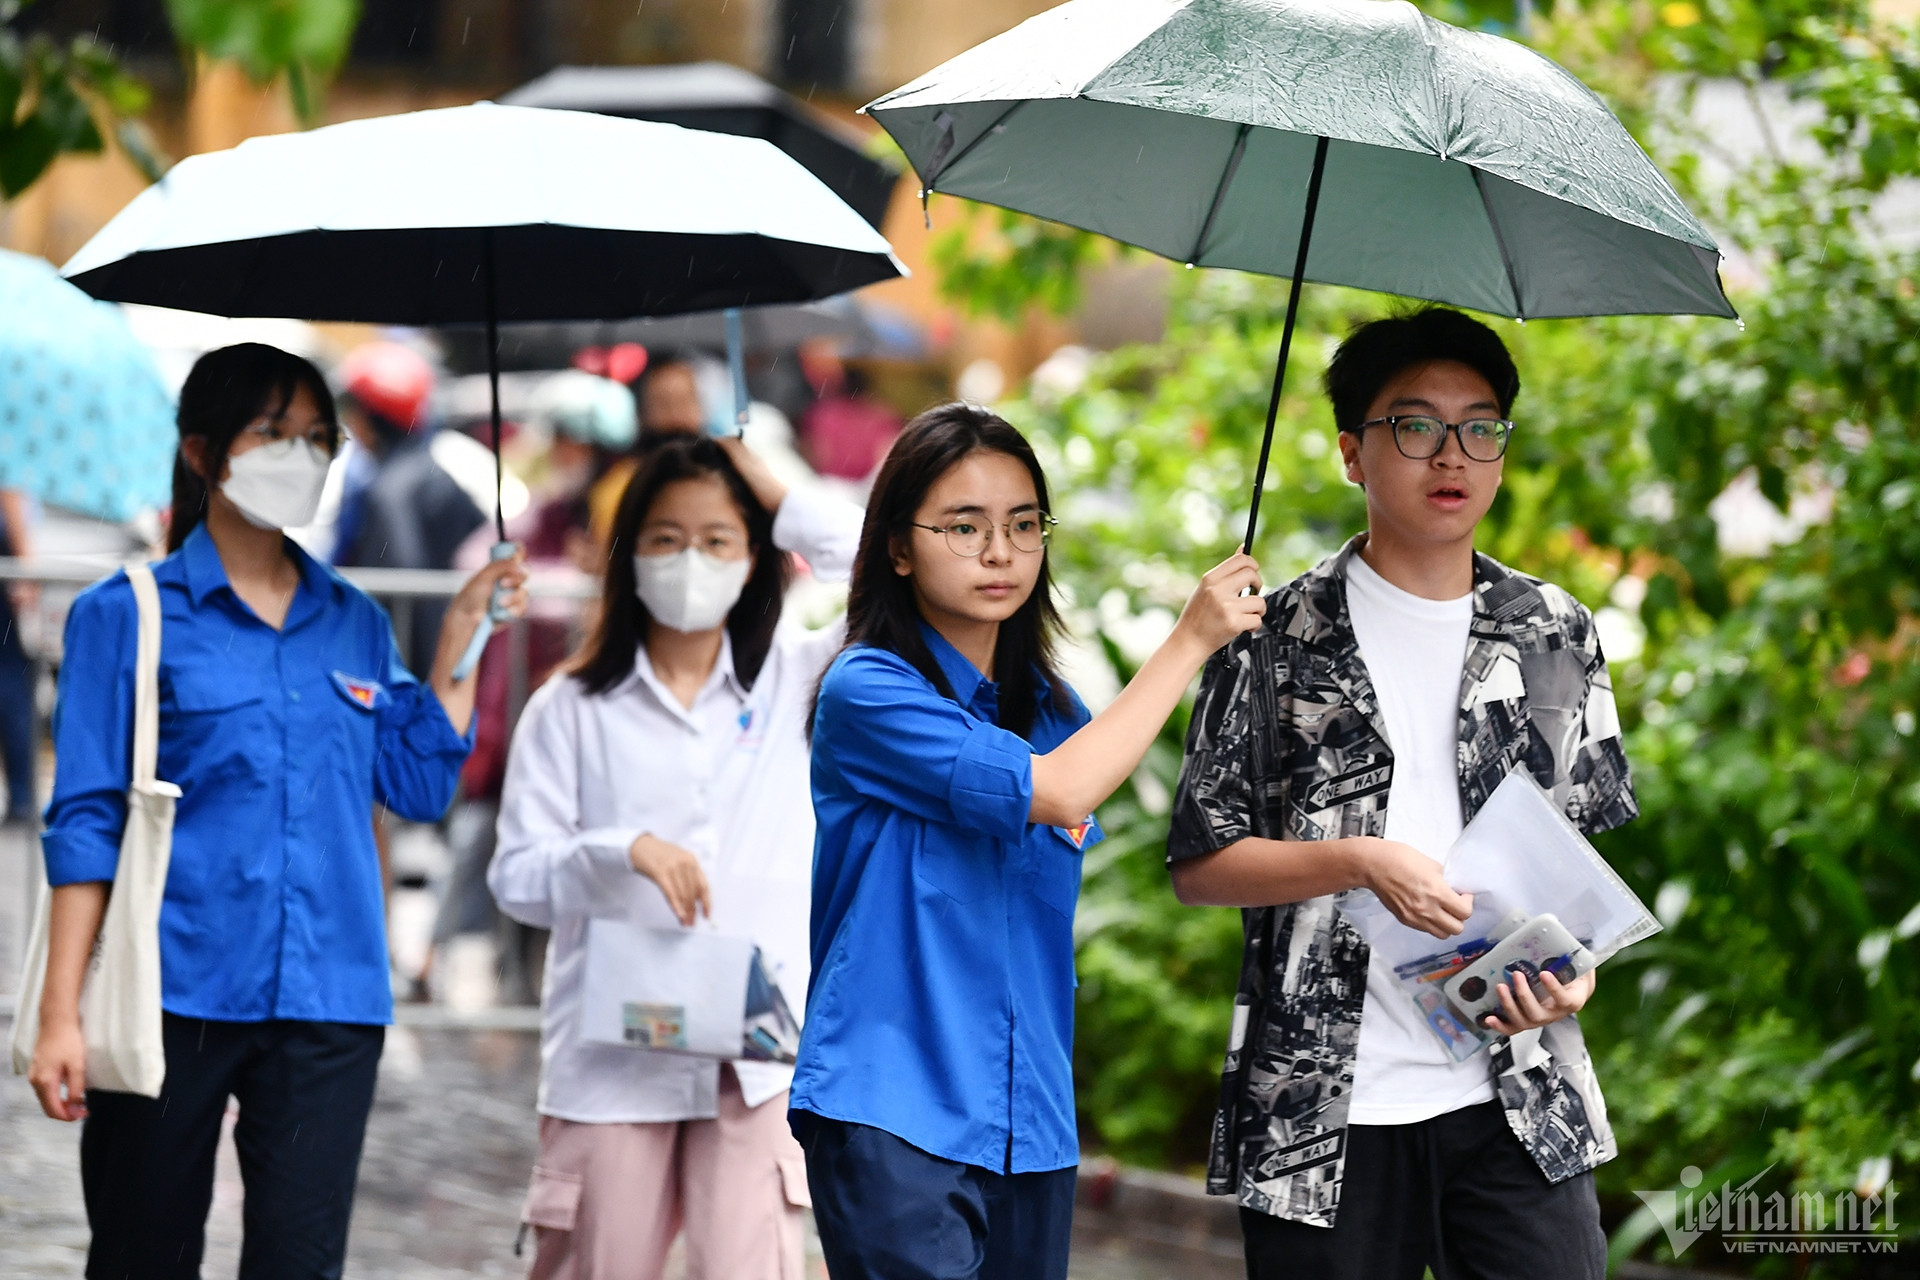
<point x="1526" y="1006"/>
<point x="1410" y="885"/>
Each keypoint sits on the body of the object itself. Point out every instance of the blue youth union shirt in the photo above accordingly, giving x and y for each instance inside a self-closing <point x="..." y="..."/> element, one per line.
<point x="280" y="742"/>
<point x="941" y="1008"/>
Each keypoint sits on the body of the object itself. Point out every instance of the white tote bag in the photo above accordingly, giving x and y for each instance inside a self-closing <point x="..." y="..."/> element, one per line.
<point x="120" y="1001"/>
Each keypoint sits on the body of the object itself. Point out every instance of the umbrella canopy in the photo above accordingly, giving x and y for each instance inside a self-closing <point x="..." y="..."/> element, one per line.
<point x="1461" y="167"/>
<point x="1343" y="141"/>
<point x="85" y="421"/>
<point x="470" y="213"/>
<point x="725" y="99"/>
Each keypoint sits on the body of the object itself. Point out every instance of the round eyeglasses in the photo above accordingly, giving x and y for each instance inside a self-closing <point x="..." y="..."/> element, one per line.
<point x="276" y="430"/>
<point x="1420" y="437"/>
<point x="1029" y="532"/>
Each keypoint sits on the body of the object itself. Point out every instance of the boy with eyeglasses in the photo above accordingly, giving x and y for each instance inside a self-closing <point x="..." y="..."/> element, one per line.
<point x="1391" y="690"/>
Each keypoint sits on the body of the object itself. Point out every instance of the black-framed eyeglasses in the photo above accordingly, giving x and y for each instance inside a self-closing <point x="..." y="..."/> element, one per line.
<point x="1420" y="437"/>
<point x="1028" y="531"/>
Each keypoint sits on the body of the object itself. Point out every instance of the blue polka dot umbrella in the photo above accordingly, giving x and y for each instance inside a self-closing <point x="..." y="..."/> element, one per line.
<point x="85" y="421"/>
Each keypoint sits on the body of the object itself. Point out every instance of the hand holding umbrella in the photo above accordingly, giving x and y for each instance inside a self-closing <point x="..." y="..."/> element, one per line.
<point x="495" y="594"/>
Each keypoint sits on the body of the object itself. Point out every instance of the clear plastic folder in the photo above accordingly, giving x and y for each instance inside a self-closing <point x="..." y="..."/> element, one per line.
<point x="1520" y="858"/>
<point x="693" y="991"/>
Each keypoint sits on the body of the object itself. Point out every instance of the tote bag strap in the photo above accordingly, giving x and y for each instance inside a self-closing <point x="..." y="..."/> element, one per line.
<point x="146" y="677"/>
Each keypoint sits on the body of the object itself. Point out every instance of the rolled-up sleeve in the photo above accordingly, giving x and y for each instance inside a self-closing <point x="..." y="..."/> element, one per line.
<point x="417" y="765"/>
<point x="545" y="863"/>
<point x="892" y="736"/>
<point x="822" y="530"/>
<point x="92" y="736"/>
<point x="1600" y="792"/>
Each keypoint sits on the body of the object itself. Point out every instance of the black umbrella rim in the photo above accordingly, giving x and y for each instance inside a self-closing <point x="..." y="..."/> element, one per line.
<point x="873" y="267"/>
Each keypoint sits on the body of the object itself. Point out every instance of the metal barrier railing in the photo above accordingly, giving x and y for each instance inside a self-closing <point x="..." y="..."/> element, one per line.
<point x="397" y="588"/>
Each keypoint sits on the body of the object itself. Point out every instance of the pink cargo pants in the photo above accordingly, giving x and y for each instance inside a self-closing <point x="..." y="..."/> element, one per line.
<point x="607" y="1199"/>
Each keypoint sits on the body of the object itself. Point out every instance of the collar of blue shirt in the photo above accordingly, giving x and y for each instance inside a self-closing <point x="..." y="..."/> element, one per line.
<point x="206" y="574"/>
<point x="964" y="678"/>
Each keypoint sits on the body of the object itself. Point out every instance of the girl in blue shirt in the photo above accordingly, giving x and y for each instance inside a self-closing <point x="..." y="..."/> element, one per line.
<point x="954" y="779"/>
<point x="285" y="714"/>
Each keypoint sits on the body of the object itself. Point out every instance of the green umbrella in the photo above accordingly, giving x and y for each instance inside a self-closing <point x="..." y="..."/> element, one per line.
<point x="1348" y="142"/>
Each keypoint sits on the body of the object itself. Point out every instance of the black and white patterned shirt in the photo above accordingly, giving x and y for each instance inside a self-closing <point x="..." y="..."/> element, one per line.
<point x="1288" y="743"/>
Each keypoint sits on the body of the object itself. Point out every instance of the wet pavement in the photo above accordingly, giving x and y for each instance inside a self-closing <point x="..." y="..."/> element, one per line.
<point x="449" y="1147"/>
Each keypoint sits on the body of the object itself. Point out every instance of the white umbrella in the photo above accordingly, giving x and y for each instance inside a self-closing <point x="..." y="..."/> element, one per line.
<point x="484" y="213"/>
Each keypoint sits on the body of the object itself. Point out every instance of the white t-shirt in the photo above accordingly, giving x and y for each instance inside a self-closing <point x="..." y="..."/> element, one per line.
<point x="1414" y="650"/>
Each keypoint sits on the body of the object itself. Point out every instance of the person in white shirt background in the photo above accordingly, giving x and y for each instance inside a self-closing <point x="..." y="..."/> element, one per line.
<point x="661" y="778"/>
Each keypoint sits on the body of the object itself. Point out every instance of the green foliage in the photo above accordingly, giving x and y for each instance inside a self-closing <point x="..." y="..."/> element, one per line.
<point x="1746" y="38"/>
<point x="56" y="99"/>
<point x="303" y="39"/>
<point x="1002" y="264"/>
<point x="1769" y="699"/>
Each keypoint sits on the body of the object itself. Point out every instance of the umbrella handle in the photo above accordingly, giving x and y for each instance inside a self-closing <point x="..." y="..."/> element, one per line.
<point x="496" y="613"/>
<point x="736" y="379"/>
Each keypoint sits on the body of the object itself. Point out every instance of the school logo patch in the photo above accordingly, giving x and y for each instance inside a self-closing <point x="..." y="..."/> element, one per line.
<point x="362" y="693"/>
<point x="1077" y="833"/>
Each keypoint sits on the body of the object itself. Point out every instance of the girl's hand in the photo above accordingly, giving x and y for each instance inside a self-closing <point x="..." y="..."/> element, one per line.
<point x="468" y="607"/>
<point x="464" y="614"/>
<point x="1216" y="612"/>
<point x="1524" y="1006"/>
<point x="754" y="470"/>
<point x="59" y="1071"/>
<point x="677" y="872"/>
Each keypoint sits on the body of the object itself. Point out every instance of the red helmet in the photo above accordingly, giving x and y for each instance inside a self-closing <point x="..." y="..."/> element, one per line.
<point x="391" y="380"/>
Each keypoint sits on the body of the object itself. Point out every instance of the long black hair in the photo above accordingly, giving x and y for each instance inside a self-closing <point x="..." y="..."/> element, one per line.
<point x="607" y="657"/>
<point x="881" y="609"/>
<point x="226" y="390"/>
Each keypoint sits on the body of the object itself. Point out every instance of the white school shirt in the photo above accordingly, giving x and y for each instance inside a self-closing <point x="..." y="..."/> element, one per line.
<point x="726" y="780"/>
<point x="1415" y="651"/>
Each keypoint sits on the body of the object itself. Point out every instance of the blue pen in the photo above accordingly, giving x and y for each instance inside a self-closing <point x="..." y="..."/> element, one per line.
<point x="1426" y="964"/>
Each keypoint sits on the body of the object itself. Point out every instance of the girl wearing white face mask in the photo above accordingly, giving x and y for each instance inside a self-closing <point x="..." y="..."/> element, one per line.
<point x="663" y="781"/>
<point x="285" y="713"/>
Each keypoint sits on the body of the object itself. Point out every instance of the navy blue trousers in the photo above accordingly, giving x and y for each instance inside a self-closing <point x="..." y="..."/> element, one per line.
<point x="889" y="1211"/>
<point x="146" y="1164"/>
<point x="16" y="717"/>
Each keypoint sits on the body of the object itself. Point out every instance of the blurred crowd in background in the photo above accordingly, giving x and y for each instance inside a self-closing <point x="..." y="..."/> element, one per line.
<point x="413" y="489"/>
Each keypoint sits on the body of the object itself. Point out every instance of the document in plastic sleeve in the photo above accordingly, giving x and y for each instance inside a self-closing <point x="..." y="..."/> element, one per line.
<point x="1535" y="880"/>
<point x="692" y="991"/>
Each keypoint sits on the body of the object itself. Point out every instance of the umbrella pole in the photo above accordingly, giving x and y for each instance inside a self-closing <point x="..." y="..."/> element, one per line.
<point x="1286" y="333"/>
<point x="493" y="380"/>
<point x="502" y="549"/>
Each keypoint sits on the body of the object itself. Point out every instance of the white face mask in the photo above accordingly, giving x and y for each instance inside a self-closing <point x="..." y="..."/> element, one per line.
<point x="689" y="590"/>
<point x="278" y="484"/>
